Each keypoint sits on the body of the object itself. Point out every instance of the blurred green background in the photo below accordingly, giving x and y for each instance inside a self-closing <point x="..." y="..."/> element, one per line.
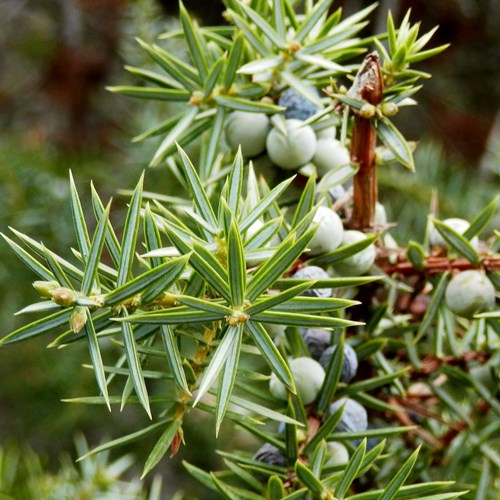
<point x="58" y="55"/>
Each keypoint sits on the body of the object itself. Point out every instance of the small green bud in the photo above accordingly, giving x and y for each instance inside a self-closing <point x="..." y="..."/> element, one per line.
<point x="78" y="319"/>
<point x="389" y="108"/>
<point x="367" y="110"/>
<point x="45" y="288"/>
<point x="63" y="296"/>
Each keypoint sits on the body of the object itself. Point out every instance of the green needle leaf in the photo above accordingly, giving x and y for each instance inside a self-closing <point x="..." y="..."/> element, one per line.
<point x="227" y="378"/>
<point x="329" y="387"/>
<point x="312" y="19"/>
<point x="112" y="243"/>
<point x="415" y="254"/>
<point x="325" y="430"/>
<point x="265" y="28"/>
<point x="213" y="76"/>
<point x="195" y="42"/>
<point x="235" y="184"/>
<point x="305" y="320"/>
<point x="162" y="446"/>
<point x="39" y="327"/>
<point x="32" y="263"/>
<point x="286" y="254"/>
<point x="82" y="235"/>
<point x="241" y="104"/>
<point x="308" y="479"/>
<point x="394" y="140"/>
<point x="199" y="194"/>
<point x="134" y="365"/>
<point x="236" y="266"/>
<point x="95" y="356"/>
<point x="230" y="336"/>
<point x="270" y="353"/>
<point x="94" y="256"/>
<point x="129" y="438"/>
<point x="175" y="135"/>
<point x="482" y="219"/>
<point x="411" y="491"/>
<point x="457" y="241"/>
<point x="151" y="93"/>
<point x="165" y="273"/>
<point x="397" y="481"/>
<point x="249" y="33"/>
<point x="233" y="61"/>
<point x="130" y="235"/>
<point x="433" y="307"/>
<point x="174" y="357"/>
<point x="177" y="69"/>
<point x="351" y="470"/>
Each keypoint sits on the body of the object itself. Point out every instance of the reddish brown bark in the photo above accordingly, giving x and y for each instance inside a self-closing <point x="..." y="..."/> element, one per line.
<point x="367" y="86"/>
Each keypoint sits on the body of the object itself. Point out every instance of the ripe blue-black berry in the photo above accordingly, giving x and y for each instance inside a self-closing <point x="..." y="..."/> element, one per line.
<point x="314" y="273"/>
<point x="296" y="105"/>
<point x="349" y="361"/>
<point x="354" y="417"/>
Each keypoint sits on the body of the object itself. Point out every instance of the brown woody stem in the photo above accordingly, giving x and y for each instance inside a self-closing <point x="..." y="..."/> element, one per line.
<point x="367" y="86"/>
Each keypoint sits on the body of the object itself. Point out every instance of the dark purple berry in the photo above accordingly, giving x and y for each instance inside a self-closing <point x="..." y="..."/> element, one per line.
<point x="349" y="362"/>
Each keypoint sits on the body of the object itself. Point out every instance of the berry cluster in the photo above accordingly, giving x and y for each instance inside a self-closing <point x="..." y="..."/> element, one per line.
<point x="289" y="142"/>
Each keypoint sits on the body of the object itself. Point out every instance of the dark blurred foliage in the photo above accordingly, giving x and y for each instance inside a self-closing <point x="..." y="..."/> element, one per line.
<point x="58" y="55"/>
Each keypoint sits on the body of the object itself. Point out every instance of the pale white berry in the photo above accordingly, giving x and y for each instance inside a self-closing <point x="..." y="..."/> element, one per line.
<point x="294" y="149"/>
<point x="458" y="225"/>
<point x="360" y="262"/>
<point x="329" y="233"/>
<point x="308" y="376"/>
<point x="248" y="130"/>
<point x="470" y="292"/>
<point x="330" y="155"/>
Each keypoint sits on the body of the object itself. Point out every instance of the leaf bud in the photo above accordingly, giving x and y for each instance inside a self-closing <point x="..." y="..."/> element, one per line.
<point x="367" y="110"/>
<point x="63" y="296"/>
<point x="45" y="288"/>
<point x="389" y="108"/>
<point x="78" y="319"/>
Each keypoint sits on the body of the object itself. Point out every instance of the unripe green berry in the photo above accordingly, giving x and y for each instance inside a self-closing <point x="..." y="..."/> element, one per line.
<point x="360" y="262"/>
<point x="329" y="233"/>
<point x="308" y="376"/>
<point x="293" y="150"/>
<point x="470" y="292"/>
<point x="330" y="155"/>
<point x="248" y="130"/>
